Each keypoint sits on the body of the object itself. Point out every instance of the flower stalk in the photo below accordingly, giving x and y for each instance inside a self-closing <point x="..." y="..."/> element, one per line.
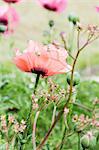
<point x="34" y="130"/>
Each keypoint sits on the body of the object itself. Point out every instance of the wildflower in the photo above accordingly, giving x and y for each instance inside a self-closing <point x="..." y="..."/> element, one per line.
<point x="11" y="1"/>
<point x="35" y="106"/>
<point x="8" y="19"/>
<point x="96" y="101"/>
<point x="97" y="9"/>
<point x="42" y="60"/>
<point x="75" y="118"/>
<point x="16" y="127"/>
<point x="11" y="119"/>
<point x="82" y="118"/>
<point x="22" y="126"/>
<point x="4" y="123"/>
<point x="93" y="29"/>
<point x="66" y="111"/>
<point x="54" y="5"/>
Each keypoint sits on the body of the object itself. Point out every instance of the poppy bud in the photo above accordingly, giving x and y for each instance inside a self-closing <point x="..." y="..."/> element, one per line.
<point x="73" y="18"/>
<point x="85" y="141"/>
<point x="88" y="141"/>
<point x="3" y="28"/>
<point x="51" y="23"/>
<point x="76" y="78"/>
<point x="95" y="133"/>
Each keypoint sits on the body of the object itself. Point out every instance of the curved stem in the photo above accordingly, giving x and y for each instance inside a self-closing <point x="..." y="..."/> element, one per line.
<point x="62" y="142"/>
<point x="78" y="141"/>
<point x="34" y="130"/>
<point x="62" y="111"/>
<point x="54" y="113"/>
<point x="50" y="130"/>
<point x="29" y="114"/>
<point x="82" y="106"/>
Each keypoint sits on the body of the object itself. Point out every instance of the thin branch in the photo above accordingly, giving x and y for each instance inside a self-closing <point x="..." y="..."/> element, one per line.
<point x="65" y="46"/>
<point x="54" y="114"/>
<point x="62" y="142"/>
<point x="82" y="106"/>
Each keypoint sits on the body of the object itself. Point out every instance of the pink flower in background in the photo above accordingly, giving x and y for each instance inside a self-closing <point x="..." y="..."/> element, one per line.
<point x="97" y="9"/>
<point x="43" y="60"/>
<point x="11" y="1"/>
<point x="8" y="19"/>
<point x="54" y="5"/>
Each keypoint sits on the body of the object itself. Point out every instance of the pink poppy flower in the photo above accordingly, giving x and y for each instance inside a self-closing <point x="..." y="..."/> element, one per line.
<point x="43" y="60"/>
<point x="9" y="18"/>
<point x="54" y="5"/>
<point x="11" y="1"/>
<point x="97" y="9"/>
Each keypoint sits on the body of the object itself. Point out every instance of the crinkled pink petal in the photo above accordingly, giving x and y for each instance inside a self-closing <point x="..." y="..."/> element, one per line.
<point x="46" y="60"/>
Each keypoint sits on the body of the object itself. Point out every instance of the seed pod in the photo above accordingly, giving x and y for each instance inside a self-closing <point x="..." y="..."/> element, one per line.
<point x="92" y="142"/>
<point x="76" y="78"/>
<point x="72" y="17"/>
<point x="85" y="141"/>
<point x="51" y="23"/>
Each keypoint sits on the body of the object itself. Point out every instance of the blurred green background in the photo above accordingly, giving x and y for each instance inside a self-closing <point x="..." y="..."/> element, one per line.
<point x="34" y="20"/>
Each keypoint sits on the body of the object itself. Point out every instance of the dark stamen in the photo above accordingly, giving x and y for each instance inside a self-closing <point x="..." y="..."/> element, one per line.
<point x="3" y="21"/>
<point x="50" y="7"/>
<point x="38" y="70"/>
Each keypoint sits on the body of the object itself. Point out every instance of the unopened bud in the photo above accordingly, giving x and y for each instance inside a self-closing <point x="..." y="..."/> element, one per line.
<point x="85" y="141"/>
<point x="51" y="23"/>
<point x="72" y="17"/>
<point x="76" y="78"/>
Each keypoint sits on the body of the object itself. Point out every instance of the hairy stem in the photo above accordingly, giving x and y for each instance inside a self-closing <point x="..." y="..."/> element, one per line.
<point x="54" y="113"/>
<point x="34" y="130"/>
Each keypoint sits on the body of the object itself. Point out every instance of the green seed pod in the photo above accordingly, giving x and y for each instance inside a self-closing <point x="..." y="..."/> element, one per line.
<point x="3" y="28"/>
<point x="51" y="23"/>
<point x="72" y="17"/>
<point x="76" y="78"/>
<point x="85" y="141"/>
<point x="95" y="132"/>
<point x="92" y="142"/>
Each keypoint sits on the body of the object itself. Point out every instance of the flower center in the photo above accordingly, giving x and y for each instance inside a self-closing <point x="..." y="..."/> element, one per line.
<point x="3" y="21"/>
<point x="53" y="8"/>
<point x="39" y="70"/>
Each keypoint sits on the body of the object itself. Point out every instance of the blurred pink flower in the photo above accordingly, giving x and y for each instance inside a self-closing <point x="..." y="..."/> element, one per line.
<point x="8" y="18"/>
<point x="11" y="1"/>
<point x="54" y="5"/>
<point x="97" y="9"/>
<point x="43" y="60"/>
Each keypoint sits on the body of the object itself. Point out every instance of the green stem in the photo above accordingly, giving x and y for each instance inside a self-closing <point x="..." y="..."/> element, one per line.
<point x="29" y="115"/>
<point x="82" y="106"/>
<point x="63" y="138"/>
<point x="62" y="111"/>
<point x="36" y="82"/>
<point x="54" y="113"/>
<point x="34" y="130"/>
<point x="78" y="141"/>
<point x="72" y="38"/>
